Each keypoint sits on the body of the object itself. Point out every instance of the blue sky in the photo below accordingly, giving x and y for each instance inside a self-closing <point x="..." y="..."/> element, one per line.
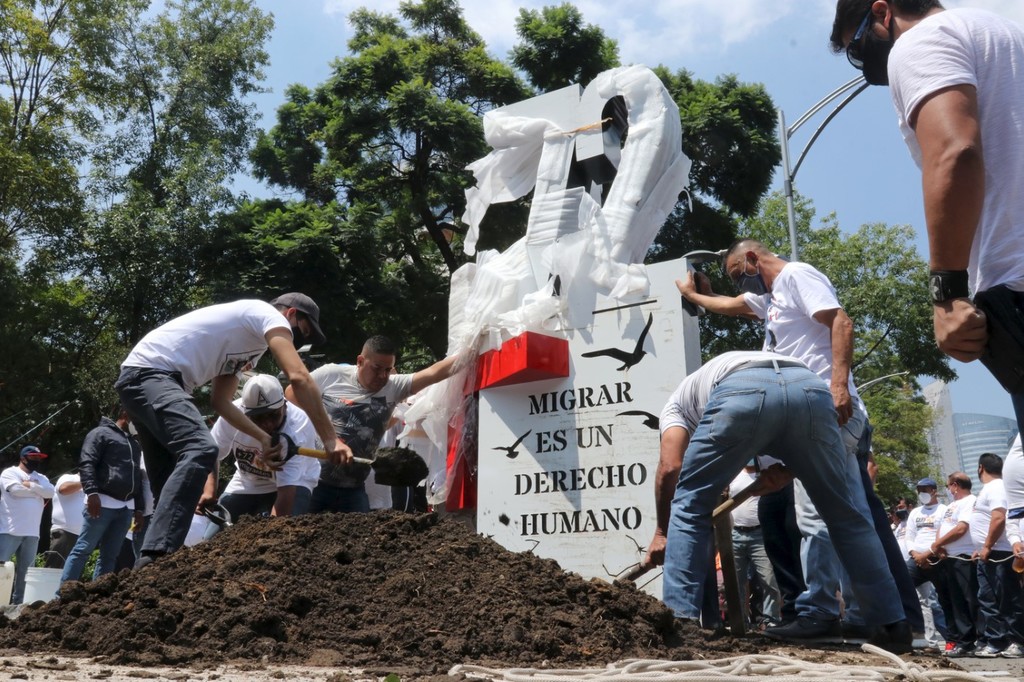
<point x="859" y="167"/>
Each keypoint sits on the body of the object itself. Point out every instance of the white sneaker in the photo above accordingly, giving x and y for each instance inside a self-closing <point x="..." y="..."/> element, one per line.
<point x="987" y="651"/>
<point x="1012" y="651"/>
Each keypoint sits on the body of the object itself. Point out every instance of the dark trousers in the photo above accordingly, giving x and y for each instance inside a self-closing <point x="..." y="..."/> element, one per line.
<point x="239" y="504"/>
<point x="936" y="577"/>
<point x="179" y="450"/>
<point x="777" y="517"/>
<point x="1000" y="602"/>
<point x="893" y="555"/>
<point x="331" y="498"/>
<point x="958" y="598"/>
<point x="61" y="544"/>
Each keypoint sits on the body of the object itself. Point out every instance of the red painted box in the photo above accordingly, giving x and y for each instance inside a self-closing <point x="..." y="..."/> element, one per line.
<point x="528" y="357"/>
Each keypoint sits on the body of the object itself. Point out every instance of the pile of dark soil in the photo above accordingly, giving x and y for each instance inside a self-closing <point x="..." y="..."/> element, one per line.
<point x="382" y="591"/>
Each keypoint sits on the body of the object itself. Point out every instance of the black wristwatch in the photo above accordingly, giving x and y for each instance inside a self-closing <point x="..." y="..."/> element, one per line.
<point x="944" y="285"/>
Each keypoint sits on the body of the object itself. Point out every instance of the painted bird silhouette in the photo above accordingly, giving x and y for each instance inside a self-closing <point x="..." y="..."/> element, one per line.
<point x="650" y="421"/>
<point x="628" y="359"/>
<point x="510" y="450"/>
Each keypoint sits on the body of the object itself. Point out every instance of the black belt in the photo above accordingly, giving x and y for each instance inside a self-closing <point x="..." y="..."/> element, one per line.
<point x="746" y="529"/>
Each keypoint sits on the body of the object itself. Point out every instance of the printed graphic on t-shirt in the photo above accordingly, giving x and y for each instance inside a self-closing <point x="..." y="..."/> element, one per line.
<point x="239" y="362"/>
<point x="926" y="521"/>
<point x="245" y="460"/>
<point x="361" y="425"/>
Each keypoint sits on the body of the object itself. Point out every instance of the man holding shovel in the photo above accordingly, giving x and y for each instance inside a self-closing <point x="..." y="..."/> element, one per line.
<point x="211" y="345"/>
<point x="360" y="400"/>
<point x="739" y="405"/>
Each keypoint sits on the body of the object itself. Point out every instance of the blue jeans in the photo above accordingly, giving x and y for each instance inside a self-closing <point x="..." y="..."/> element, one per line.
<point x="178" y="447"/>
<point x="107" y="531"/>
<point x="748" y="550"/>
<point x="331" y="498"/>
<point x="23" y="548"/>
<point x="787" y="413"/>
<point x="823" y="574"/>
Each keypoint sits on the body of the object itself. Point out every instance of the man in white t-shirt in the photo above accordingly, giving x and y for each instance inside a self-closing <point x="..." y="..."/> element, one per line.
<point x="804" y="319"/>
<point x="922" y="531"/>
<point x="24" y="495"/>
<point x="256" y="486"/>
<point x="66" y="520"/>
<point x="1000" y="599"/>
<point x="958" y="586"/>
<point x="738" y="405"/>
<point x="360" y="400"/>
<point x="212" y="345"/>
<point x="954" y="77"/>
<point x="748" y="551"/>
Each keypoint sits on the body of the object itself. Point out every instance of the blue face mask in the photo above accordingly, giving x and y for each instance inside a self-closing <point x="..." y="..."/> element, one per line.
<point x="751" y="284"/>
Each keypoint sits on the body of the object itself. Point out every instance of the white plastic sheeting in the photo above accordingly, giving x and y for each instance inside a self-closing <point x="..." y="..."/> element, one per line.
<point x="573" y="248"/>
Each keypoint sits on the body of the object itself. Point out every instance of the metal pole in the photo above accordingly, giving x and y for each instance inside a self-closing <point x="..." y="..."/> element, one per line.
<point x="868" y="384"/>
<point x="787" y="187"/>
<point x="788" y="172"/>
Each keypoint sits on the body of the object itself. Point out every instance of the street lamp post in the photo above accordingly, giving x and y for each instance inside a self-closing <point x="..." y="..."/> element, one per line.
<point x="868" y="384"/>
<point x="784" y="134"/>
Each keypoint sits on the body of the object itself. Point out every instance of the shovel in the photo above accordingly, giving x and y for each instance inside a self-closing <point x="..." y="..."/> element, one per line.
<point x="391" y="466"/>
<point x="724" y="508"/>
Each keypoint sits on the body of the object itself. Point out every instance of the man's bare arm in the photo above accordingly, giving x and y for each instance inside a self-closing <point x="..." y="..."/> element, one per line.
<point x="953" y="180"/>
<point x="439" y="371"/>
<point x="733" y="306"/>
<point x="302" y="389"/>
<point x="841" y="331"/>
<point x="673" y="445"/>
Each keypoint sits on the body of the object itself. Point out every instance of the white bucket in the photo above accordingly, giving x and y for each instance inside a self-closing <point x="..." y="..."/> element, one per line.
<point x="6" y="582"/>
<point x="41" y="584"/>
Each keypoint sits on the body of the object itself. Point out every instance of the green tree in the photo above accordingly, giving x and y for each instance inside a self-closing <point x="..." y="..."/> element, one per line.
<point x="155" y="109"/>
<point x="729" y="135"/>
<point x="557" y="49"/>
<point x="387" y="139"/>
<point x="878" y="276"/>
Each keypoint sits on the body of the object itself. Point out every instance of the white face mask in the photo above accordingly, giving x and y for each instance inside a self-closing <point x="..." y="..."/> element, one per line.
<point x="924" y="498"/>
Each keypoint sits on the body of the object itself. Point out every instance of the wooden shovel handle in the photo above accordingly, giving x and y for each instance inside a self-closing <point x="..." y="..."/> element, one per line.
<point x="322" y="454"/>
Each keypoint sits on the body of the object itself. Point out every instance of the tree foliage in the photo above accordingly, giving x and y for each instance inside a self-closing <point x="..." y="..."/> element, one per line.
<point x="126" y="128"/>
<point x="556" y="48"/>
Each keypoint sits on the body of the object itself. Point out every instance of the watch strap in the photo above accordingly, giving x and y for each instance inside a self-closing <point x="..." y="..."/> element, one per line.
<point x="945" y="285"/>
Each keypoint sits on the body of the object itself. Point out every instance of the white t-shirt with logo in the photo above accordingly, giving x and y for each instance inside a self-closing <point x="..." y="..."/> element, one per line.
<point x="228" y="338"/>
<point x="252" y="479"/>
<point x="685" y="406"/>
<point x="798" y="293"/>
<point x="992" y="496"/>
<point x="67" y="508"/>
<point x="21" y="508"/>
<point x="923" y="527"/>
<point x="957" y="511"/>
<point x="969" y="46"/>
<point x="360" y="418"/>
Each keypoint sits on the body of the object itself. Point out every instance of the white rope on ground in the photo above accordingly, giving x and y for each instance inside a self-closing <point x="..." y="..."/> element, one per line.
<point x="748" y="668"/>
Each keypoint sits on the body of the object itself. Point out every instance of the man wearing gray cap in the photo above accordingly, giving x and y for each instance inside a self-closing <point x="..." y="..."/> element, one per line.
<point x="212" y="345"/>
<point x="923" y="525"/>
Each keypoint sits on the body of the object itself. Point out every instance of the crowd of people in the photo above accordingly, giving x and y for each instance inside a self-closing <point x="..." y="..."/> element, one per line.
<point x="830" y="562"/>
<point x="145" y="476"/>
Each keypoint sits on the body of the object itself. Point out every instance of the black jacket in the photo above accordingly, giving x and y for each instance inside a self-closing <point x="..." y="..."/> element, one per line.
<point x="110" y="463"/>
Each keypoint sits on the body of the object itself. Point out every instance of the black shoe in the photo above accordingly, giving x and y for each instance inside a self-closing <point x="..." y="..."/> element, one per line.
<point x="856" y="633"/>
<point x="147" y="558"/>
<point x="895" y="637"/>
<point x="805" y="629"/>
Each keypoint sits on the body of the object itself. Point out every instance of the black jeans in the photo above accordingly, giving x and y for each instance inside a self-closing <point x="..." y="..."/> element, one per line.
<point x="958" y="598"/>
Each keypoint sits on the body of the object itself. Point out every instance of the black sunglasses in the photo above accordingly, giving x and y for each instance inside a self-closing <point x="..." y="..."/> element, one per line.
<point x="853" y="50"/>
